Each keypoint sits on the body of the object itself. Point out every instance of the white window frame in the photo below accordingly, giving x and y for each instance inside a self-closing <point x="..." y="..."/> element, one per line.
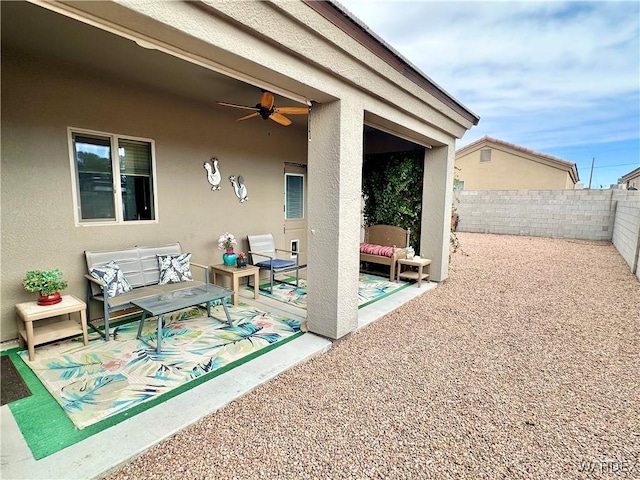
<point x="303" y="195"/>
<point x="117" y="187"/>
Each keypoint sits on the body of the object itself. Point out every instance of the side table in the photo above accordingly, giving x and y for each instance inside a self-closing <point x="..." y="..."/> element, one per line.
<point x="235" y="274"/>
<point x="29" y="312"/>
<point x="421" y="274"/>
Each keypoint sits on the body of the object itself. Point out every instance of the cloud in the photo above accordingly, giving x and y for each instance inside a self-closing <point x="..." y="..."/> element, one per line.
<point x="538" y="73"/>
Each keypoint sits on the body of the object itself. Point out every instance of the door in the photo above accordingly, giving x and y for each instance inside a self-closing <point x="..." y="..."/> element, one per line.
<point x="295" y="209"/>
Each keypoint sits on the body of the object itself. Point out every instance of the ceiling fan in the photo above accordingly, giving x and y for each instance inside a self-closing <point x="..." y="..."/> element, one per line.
<point x="267" y="109"/>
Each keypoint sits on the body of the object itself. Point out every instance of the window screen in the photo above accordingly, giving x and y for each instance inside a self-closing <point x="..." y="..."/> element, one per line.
<point x="294" y="196"/>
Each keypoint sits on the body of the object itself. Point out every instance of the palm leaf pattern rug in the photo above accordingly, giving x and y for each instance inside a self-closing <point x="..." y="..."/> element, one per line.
<point x="104" y="378"/>
<point x="370" y="289"/>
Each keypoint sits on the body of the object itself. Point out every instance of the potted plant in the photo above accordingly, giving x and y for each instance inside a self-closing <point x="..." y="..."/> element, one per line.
<point x="241" y="261"/>
<point x="226" y="243"/>
<point x="47" y="283"/>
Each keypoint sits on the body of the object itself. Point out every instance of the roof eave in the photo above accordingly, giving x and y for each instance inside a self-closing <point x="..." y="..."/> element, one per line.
<point x="352" y="26"/>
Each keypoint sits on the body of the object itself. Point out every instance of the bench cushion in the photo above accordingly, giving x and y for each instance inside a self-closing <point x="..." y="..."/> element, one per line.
<point x="275" y="263"/>
<point x="382" y="250"/>
<point x="142" y="292"/>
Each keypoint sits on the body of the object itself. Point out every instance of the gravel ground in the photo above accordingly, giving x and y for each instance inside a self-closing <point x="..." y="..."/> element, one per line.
<point x="525" y="363"/>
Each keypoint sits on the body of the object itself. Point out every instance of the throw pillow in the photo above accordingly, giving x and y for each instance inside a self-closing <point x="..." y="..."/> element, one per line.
<point x="175" y="268"/>
<point x="113" y="277"/>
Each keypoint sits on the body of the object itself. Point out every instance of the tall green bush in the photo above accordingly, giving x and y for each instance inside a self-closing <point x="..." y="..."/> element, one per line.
<point x="392" y="190"/>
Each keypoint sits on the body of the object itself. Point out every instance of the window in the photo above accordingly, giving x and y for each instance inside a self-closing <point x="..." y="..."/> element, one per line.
<point x="99" y="158"/>
<point x="294" y="196"/>
<point x="458" y="184"/>
<point x="485" y="155"/>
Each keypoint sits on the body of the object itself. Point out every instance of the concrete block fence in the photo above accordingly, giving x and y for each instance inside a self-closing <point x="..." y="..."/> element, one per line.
<point x="578" y="214"/>
<point x="626" y="233"/>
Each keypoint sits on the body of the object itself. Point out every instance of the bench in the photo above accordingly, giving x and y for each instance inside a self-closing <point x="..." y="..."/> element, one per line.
<point x="140" y="268"/>
<point x="384" y="245"/>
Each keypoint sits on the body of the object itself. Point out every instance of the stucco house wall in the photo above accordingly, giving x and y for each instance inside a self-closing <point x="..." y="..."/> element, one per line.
<point x="310" y="52"/>
<point x="632" y="179"/>
<point x="511" y="168"/>
<point x="45" y="99"/>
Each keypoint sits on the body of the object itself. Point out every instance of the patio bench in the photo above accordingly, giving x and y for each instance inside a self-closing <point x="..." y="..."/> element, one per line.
<point x="140" y="269"/>
<point x="384" y="245"/>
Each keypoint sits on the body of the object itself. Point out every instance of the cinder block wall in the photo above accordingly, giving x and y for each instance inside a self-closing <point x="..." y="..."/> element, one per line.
<point x="626" y="233"/>
<point x="580" y="214"/>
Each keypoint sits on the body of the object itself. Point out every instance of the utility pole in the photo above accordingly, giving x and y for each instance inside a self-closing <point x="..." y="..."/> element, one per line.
<point x="591" y="175"/>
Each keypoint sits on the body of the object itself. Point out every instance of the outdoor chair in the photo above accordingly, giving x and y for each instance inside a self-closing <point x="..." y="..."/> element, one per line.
<point x="264" y="254"/>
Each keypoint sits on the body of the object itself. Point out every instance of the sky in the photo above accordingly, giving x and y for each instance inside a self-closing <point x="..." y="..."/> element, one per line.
<point x="561" y="78"/>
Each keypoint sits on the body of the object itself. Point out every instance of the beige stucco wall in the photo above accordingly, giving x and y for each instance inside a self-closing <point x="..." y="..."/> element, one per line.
<point x="634" y="181"/>
<point x="311" y="58"/>
<point x="41" y="99"/>
<point x="508" y="170"/>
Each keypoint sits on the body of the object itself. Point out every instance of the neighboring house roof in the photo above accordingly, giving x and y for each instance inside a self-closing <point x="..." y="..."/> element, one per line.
<point x="351" y="25"/>
<point x="570" y="167"/>
<point x="632" y="174"/>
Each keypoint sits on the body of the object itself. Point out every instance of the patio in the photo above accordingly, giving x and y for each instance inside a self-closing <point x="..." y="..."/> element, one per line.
<point x="127" y="439"/>
<point x="524" y="364"/>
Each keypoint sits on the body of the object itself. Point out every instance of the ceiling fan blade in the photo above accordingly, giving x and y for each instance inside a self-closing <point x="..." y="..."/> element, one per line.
<point x="279" y="118"/>
<point x="247" y="117"/>
<point x="267" y="100"/>
<point x="244" y="107"/>
<point x="292" y="110"/>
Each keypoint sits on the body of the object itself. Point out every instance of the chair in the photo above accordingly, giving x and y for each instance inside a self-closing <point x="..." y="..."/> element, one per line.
<point x="263" y="247"/>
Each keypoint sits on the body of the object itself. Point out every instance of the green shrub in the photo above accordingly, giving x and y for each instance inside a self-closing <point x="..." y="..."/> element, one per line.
<point x="392" y="190"/>
<point x="44" y="281"/>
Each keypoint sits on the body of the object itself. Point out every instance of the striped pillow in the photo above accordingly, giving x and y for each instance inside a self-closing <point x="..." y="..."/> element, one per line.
<point x="381" y="250"/>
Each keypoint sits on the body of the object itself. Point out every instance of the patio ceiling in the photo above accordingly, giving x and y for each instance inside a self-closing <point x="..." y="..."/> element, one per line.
<point x="38" y="32"/>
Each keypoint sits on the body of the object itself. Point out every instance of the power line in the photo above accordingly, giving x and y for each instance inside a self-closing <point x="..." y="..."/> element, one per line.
<point x="609" y="166"/>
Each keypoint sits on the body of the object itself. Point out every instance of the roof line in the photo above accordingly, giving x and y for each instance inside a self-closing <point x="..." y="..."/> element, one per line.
<point x="352" y="26"/>
<point x="632" y="173"/>
<point x="486" y="138"/>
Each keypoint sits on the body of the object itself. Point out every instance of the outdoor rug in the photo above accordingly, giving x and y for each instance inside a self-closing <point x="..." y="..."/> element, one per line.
<point x="370" y="289"/>
<point x="12" y="387"/>
<point x="104" y="383"/>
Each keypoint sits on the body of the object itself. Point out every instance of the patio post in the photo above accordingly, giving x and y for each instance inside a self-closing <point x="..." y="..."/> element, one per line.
<point x="437" y="195"/>
<point x="335" y="178"/>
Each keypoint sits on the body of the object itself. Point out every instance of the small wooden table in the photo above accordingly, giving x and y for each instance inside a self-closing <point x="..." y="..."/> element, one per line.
<point x="235" y="274"/>
<point x="420" y="263"/>
<point x="29" y="312"/>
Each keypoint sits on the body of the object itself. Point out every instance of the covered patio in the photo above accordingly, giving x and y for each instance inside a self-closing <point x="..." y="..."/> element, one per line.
<point x="95" y="456"/>
<point x="155" y="73"/>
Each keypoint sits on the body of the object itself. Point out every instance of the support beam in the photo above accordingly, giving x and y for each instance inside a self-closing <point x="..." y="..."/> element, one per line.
<point x="335" y="183"/>
<point x="437" y="195"/>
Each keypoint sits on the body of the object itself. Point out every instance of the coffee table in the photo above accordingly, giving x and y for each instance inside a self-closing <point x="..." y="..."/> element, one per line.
<point x="158" y="305"/>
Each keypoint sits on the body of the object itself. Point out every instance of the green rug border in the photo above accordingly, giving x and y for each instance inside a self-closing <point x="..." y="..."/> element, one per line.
<point x="373" y="300"/>
<point x="57" y="432"/>
<point x="407" y="284"/>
